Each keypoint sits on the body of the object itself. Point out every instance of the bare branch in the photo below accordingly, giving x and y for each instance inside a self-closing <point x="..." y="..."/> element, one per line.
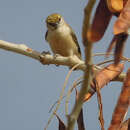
<point x="45" y="59"/>
<point x="19" y="48"/>
<point x="49" y="59"/>
<point x="89" y="66"/>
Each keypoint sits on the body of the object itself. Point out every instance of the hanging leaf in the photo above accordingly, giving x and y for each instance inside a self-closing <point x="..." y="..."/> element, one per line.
<point x="61" y="123"/>
<point x="111" y="45"/>
<point x="122" y="104"/>
<point x="122" y="24"/>
<point x="115" y="5"/>
<point x="125" y="125"/>
<point x="124" y="2"/>
<point x="80" y="121"/>
<point x="103" y="77"/>
<point x="120" y="44"/>
<point x="100" y="22"/>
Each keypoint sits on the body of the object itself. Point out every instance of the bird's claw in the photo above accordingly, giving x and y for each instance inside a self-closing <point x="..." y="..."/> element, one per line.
<point x="45" y="53"/>
<point x="56" y="55"/>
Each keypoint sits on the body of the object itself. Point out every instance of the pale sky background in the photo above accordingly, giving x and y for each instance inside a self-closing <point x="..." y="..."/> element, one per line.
<point x="28" y="89"/>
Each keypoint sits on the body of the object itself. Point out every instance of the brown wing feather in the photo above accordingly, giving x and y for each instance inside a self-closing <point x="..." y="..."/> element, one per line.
<point x="76" y="41"/>
<point x="46" y="35"/>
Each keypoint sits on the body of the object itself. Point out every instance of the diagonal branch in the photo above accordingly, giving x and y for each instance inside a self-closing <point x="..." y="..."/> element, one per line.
<point x="49" y="59"/>
<point x="45" y="59"/>
<point x="19" y="48"/>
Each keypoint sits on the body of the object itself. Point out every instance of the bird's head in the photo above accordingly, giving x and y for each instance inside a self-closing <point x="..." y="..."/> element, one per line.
<point x="53" y="21"/>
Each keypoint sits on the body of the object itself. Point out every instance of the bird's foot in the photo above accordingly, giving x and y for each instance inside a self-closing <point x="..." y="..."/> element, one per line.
<point x="45" y="53"/>
<point x="55" y="56"/>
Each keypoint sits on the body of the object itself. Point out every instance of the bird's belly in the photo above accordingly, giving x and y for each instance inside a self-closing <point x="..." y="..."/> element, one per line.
<point x="61" y="45"/>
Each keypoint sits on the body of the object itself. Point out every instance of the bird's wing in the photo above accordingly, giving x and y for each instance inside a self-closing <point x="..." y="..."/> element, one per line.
<point x="76" y="41"/>
<point x="46" y="35"/>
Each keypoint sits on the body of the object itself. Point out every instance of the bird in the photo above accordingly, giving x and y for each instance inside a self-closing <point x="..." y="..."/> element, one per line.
<point x="61" y="37"/>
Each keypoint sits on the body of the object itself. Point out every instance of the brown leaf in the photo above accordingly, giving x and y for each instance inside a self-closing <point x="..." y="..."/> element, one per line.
<point x="80" y="121"/>
<point x="115" y="5"/>
<point x="111" y="45"/>
<point x="103" y="77"/>
<point x="125" y="125"/>
<point x="61" y="123"/>
<point x="122" y="24"/>
<point x="120" y="43"/>
<point x="100" y="22"/>
<point x="122" y="104"/>
<point x="124" y="2"/>
<point x="86" y="21"/>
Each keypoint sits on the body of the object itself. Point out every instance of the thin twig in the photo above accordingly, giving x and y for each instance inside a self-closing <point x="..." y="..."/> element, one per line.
<point x="99" y="98"/>
<point x="61" y="95"/>
<point x="104" y="62"/>
<point x="125" y="59"/>
<point x="75" y="84"/>
<point x="101" y="54"/>
<point x="53" y="105"/>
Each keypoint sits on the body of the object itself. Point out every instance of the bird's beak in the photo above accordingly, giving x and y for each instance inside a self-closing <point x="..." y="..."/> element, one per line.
<point x="53" y="24"/>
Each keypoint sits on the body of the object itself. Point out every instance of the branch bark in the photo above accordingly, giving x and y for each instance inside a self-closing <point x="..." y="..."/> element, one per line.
<point x="49" y="59"/>
<point x="89" y="67"/>
<point x="45" y="59"/>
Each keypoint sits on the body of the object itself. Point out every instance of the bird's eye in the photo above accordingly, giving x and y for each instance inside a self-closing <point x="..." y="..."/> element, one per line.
<point x="59" y="19"/>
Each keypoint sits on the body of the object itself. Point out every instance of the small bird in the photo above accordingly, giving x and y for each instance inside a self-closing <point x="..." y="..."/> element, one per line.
<point x="61" y="37"/>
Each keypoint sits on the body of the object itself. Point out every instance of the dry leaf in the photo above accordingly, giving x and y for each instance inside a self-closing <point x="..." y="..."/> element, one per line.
<point x="122" y="105"/>
<point x="111" y="45"/>
<point x="122" y="24"/>
<point x="100" y="22"/>
<point x="80" y="121"/>
<point x="115" y="5"/>
<point x="125" y="125"/>
<point x="61" y="123"/>
<point x="124" y="2"/>
<point x="118" y="42"/>
<point x="103" y="77"/>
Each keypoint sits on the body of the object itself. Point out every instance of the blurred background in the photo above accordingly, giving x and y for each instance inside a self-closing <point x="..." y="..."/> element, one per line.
<point x="27" y="88"/>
